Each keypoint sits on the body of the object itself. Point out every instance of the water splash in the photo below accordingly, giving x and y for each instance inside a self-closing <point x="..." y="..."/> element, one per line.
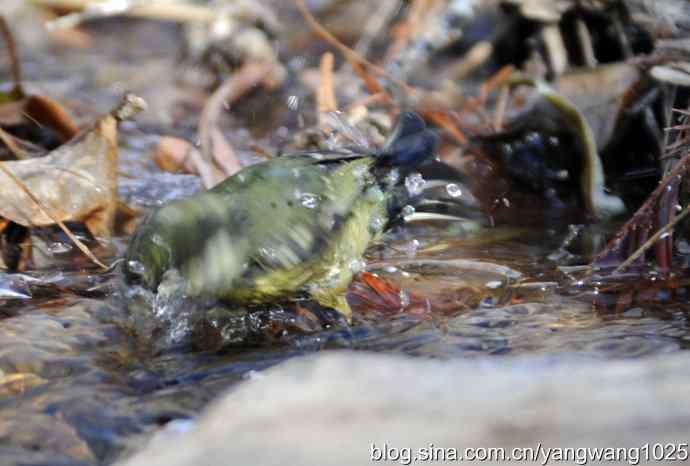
<point x="453" y="190"/>
<point x="415" y="184"/>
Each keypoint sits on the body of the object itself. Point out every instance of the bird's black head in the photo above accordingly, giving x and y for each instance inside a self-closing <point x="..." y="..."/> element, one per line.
<point x="410" y="144"/>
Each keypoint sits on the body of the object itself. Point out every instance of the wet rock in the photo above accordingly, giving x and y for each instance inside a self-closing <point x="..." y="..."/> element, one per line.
<point x="330" y="409"/>
<point x="46" y="435"/>
<point x="52" y="343"/>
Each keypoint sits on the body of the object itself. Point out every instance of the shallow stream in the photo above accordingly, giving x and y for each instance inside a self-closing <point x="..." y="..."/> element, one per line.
<point x="79" y="384"/>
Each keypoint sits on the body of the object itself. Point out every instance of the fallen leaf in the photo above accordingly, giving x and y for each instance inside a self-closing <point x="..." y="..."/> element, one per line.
<point x="75" y="182"/>
<point x="44" y="111"/>
<point x="31" y="114"/>
<point x="173" y="155"/>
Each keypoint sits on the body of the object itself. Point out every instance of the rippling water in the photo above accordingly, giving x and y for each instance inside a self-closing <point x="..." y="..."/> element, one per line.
<point x="83" y="382"/>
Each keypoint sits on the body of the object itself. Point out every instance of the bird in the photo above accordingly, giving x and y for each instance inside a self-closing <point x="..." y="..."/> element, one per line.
<point x="290" y="228"/>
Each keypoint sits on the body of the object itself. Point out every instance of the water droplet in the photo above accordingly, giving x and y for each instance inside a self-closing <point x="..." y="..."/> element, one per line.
<point x="59" y="247"/>
<point x="158" y="240"/>
<point x="494" y="284"/>
<point x="404" y="298"/>
<point x="453" y="190"/>
<point x="374" y="194"/>
<point x="360" y="171"/>
<point x="376" y="224"/>
<point x="408" y="210"/>
<point x="533" y="137"/>
<point x="309" y="200"/>
<point x="665" y="235"/>
<point x="415" y="184"/>
<point x="136" y="267"/>
<point x="562" y="175"/>
<point x="180" y="426"/>
<point x="357" y="265"/>
<point x="412" y="247"/>
<point x="253" y="375"/>
<point x="293" y="102"/>
<point x="390" y="269"/>
<point x="297" y="63"/>
<point x="392" y="177"/>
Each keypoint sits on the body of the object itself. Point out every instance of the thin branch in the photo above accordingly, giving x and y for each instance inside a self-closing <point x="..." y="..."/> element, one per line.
<point x="679" y="170"/>
<point x="349" y="54"/>
<point x="376" y="25"/>
<point x="11" y="47"/>
<point x="651" y="241"/>
<point x="325" y="96"/>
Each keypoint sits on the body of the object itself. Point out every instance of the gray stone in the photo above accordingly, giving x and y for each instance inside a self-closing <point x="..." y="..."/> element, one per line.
<point x="329" y="408"/>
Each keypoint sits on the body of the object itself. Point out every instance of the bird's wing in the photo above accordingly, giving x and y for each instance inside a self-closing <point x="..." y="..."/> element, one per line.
<point x="280" y="217"/>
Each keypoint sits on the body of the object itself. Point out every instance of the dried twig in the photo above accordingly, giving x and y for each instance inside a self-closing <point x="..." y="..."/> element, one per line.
<point x="376" y="25"/>
<point x="325" y="97"/>
<point x="11" y="48"/>
<point x="501" y="107"/>
<point x="410" y="28"/>
<point x="443" y="120"/>
<point x="475" y="57"/>
<point x="646" y="210"/>
<point x="351" y="56"/>
<point x="651" y="241"/>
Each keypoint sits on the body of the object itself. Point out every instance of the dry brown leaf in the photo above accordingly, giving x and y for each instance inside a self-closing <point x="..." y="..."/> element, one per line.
<point x="173" y="155"/>
<point x="75" y="182"/>
<point x="11" y="48"/>
<point x="126" y="218"/>
<point x="32" y="109"/>
<point x="600" y="95"/>
<point x="47" y="112"/>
